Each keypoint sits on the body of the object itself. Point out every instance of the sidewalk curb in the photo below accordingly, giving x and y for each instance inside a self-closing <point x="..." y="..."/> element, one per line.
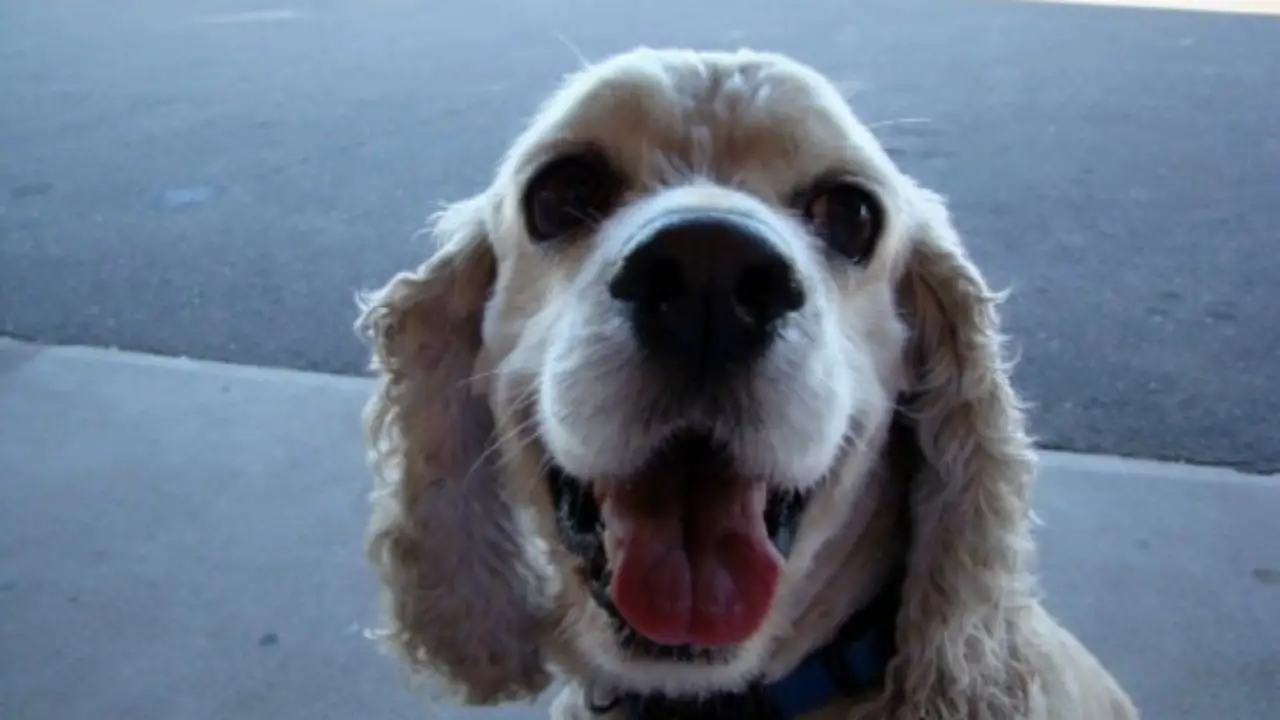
<point x="183" y="364"/>
<point x="1053" y="459"/>
<point x="1162" y="469"/>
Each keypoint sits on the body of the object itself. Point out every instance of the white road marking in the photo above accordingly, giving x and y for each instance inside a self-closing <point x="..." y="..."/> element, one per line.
<point x="256" y="16"/>
<point x="1240" y="7"/>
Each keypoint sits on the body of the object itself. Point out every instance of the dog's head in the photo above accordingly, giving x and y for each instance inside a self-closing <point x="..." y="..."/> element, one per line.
<point x="646" y="375"/>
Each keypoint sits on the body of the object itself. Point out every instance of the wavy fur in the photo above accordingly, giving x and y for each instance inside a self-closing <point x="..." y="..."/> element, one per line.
<point x="460" y="528"/>
<point x="444" y="537"/>
<point x="968" y="587"/>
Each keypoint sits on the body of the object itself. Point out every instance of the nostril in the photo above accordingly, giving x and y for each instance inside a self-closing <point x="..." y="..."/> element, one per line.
<point x="766" y="291"/>
<point x="666" y="282"/>
<point x="650" y="281"/>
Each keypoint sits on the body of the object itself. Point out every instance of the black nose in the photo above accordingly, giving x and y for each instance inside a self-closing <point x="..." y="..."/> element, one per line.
<point x="706" y="291"/>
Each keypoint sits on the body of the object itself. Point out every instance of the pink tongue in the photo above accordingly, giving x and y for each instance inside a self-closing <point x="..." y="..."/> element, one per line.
<point x="695" y="567"/>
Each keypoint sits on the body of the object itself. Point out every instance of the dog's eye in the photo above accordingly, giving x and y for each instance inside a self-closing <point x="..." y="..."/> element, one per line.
<point x="569" y="194"/>
<point x="848" y="218"/>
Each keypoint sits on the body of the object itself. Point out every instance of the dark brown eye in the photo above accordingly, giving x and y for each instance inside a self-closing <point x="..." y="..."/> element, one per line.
<point x="569" y="194"/>
<point x="846" y="217"/>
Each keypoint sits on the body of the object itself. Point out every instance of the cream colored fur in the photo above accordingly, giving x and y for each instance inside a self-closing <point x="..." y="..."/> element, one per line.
<point x="495" y="355"/>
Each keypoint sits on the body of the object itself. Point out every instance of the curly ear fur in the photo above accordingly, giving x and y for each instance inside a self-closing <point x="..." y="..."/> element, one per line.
<point x="968" y="588"/>
<point x="443" y="537"/>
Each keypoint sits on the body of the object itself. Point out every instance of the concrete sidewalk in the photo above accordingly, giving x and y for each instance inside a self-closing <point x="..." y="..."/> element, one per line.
<point x="182" y="540"/>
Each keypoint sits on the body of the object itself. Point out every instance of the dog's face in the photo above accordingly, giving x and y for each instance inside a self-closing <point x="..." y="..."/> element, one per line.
<point x="644" y="379"/>
<point x="693" y="338"/>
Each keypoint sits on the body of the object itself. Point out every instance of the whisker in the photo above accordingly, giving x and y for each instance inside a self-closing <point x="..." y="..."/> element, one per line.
<point x="899" y="121"/>
<point x="592" y="218"/>
<point x="496" y="445"/>
<point x="478" y="376"/>
<point x="577" y="52"/>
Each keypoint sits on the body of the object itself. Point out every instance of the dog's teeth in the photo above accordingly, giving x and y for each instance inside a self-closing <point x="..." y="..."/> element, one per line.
<point x="759" y="497"/>
<point x="611" y="542"/>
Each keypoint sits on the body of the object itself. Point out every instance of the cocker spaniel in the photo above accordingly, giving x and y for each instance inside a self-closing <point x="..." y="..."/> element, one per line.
<point x="702" y="407"/>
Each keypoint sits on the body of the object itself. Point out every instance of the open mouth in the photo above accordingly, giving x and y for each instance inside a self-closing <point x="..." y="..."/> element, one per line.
<point x="686" y="554"/>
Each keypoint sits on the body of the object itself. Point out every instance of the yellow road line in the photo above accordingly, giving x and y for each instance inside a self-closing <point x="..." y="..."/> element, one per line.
<point x="1242" y="7"/>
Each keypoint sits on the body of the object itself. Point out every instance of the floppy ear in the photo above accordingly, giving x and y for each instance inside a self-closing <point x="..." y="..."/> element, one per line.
<point x="968" y="584"/>
<point x="443" y="537"/>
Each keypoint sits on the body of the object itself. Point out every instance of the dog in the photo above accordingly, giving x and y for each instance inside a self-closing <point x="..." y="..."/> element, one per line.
<point x="701" y="409"/>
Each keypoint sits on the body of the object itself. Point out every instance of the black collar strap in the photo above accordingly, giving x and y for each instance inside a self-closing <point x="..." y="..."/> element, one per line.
<point x="851" y="664"/>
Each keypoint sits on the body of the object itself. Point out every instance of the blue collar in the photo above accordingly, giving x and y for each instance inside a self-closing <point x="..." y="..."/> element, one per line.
<point x="849" y="665"/>
<point x="853" y="662"/>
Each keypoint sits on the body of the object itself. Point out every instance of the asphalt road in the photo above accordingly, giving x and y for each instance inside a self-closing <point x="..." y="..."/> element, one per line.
<point x="185" y="179"/>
